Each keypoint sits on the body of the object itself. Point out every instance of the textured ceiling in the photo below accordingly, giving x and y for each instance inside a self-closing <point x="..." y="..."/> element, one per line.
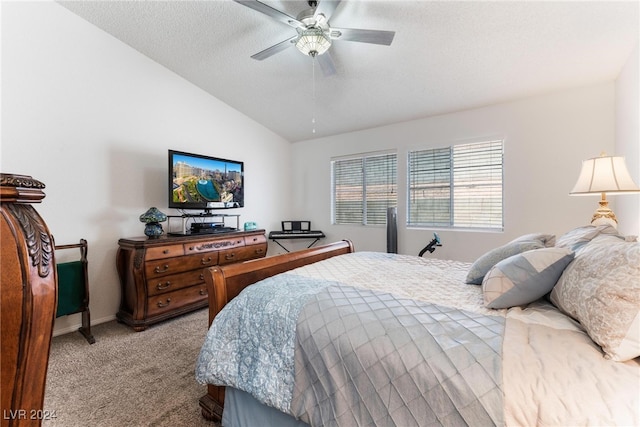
<point x="446" y="55"/>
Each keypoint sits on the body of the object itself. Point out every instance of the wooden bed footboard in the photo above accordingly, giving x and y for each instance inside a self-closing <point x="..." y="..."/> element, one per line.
<point x="225" y="282"/>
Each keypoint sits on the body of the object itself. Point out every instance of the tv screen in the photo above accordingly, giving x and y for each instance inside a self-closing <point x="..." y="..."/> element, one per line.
<point x="202" y="182"/>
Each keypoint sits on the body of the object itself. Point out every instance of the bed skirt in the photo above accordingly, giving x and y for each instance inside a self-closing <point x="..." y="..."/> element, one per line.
<point x="243" y="410"/>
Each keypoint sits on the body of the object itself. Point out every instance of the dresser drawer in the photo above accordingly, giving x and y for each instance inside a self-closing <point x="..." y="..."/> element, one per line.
<point x="179" y="265"/>
<point x="164" y="252"/>
<point x="171" y="301"/>
<point x="258" y="239"/>
<point x="174" y="282"/>
<point x="213" y="245"/>
<point x="242" y="254"/>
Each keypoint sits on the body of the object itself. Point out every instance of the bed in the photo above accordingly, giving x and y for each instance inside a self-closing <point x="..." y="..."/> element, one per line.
<point x="539" y="331"/>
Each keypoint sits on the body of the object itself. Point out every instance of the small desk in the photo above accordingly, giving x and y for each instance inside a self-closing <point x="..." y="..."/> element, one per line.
<point x="280" y="235"/>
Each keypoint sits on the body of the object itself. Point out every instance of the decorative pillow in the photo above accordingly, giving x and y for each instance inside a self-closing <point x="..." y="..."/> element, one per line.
<point x="608" y="239"/>
<point x="525" y="277"/>
<point x="483" y="264"/>
<point x="578" y="237"/>
<point x="548" y="240"/>
<point x="601" y="290"/>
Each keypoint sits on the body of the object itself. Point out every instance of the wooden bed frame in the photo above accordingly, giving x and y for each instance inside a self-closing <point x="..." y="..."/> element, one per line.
<point x="226" y="282"/>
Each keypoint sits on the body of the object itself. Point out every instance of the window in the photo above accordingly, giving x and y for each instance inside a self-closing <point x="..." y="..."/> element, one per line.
<point x="363" y="188"/>
<point x="458" y="186"/>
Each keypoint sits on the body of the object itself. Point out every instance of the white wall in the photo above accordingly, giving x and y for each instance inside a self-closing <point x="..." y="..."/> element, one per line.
<point x="93" y="119"/>
<point x="628" y="141"/>
<point x="545" y="139"/>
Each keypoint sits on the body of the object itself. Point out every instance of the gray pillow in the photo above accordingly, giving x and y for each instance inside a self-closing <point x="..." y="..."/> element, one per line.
<point x="575" y="239"/>
<point x="524" y="278"/>
<point x="483" y="264"/>
<point x="548" y="240"/>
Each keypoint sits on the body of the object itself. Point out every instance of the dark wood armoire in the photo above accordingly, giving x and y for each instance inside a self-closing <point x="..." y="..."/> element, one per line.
<point x="28" y="301"/>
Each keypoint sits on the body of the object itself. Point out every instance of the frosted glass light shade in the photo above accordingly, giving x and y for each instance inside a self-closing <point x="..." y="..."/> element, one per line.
<point x="313" y="41"/>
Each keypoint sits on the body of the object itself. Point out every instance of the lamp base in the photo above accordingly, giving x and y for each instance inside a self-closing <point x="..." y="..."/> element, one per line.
<point x="604" y="215"/>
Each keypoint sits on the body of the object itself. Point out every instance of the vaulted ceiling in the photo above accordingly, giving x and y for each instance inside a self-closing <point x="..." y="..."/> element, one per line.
<point x="446" y="55"/>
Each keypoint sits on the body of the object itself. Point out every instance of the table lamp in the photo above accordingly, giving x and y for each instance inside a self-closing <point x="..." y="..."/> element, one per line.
<point x="604" y="175"/>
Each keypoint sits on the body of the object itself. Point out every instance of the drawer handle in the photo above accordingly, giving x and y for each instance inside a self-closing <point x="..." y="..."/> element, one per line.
<point x="161" y="305"/>
<point x="166" y="251"/>
<point x="259" y="251"/>
<point x="164" y="269"/>
<point x="201" y="276"/>
<point x="164" y="285"/>
<point x="232" y="255"/>
<point x="203" y="291"/>
<point x="206" y="261"/>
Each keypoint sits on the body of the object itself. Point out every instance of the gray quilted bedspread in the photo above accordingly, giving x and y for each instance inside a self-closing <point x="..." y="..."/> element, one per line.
<point x="384" y="339"/>
<point x="365" y="357"/>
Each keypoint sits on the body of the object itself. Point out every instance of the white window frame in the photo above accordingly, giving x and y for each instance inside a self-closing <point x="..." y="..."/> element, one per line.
<point x="459" y="187"/>
<point x="366" y="197"/>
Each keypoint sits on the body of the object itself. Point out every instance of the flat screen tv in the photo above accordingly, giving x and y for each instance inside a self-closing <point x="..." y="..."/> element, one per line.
<point x="197" y="181"/>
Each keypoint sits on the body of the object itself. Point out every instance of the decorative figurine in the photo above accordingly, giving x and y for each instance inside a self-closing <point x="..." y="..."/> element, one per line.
<point x="152" y="218"/>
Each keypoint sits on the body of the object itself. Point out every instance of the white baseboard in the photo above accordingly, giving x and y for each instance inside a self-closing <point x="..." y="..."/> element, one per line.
<point x="74" y="328"/>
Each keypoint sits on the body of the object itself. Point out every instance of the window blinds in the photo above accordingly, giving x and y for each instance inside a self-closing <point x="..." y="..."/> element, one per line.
<point x="430" y="187"/>
<point x="363" y="189"/>
<point x="348" y="191"/>
<point x="458" y="186"/>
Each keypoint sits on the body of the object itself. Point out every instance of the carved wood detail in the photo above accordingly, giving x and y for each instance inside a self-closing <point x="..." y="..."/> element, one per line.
<point x="138" y="259"/>
<point x="36" y="236"/>
<point x="7" y="180"/>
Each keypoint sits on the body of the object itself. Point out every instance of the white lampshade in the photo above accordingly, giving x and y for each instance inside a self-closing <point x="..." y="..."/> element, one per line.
<point x="313" y="41"/>
<point x="604" y="174"/>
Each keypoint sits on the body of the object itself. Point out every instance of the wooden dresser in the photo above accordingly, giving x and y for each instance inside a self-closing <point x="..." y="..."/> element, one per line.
<point x="163" y="278"/>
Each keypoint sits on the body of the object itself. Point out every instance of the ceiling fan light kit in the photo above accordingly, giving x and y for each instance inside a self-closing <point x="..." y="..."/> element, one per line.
<point x="313" y="41"/>
<point x="315" y="36"/>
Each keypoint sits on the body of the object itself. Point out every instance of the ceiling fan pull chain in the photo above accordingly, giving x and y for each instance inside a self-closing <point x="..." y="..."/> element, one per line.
<point x="313" y="95"/>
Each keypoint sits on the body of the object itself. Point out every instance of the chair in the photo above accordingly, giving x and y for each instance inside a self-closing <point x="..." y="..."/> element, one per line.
<point x="73" y="288"/>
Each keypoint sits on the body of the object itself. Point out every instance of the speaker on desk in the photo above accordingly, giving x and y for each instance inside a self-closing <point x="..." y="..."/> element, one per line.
<point x="392" y="231"/>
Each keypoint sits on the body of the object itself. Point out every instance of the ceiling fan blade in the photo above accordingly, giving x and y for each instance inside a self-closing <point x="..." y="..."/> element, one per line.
<point x="274" y="49"/>
<point x="326" y="7"/>
<point x="326" y="64"/>
<point x="271" y="12"/>
<point x="363" y="36"/>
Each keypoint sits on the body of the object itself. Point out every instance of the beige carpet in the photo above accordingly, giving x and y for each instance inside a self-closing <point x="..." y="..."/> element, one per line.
<point x="128" y="378"/>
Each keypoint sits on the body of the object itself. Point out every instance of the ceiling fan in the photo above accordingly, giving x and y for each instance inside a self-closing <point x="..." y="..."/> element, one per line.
<point x="314" y="35"/>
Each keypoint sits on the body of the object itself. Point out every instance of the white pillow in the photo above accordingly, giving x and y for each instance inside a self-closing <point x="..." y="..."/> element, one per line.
<point x="525" y="277"/>
<point x="601" y="290"/>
